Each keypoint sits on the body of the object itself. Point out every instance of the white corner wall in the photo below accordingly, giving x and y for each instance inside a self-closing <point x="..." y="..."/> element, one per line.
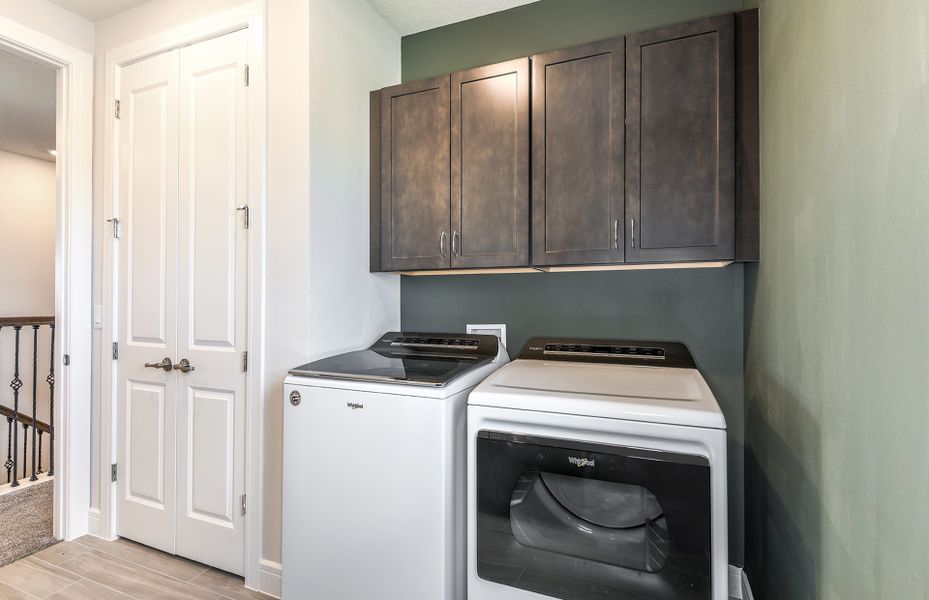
<point x="28" y="203"/>
<point x="51" y="20"/>
<point x="325" y="56"/>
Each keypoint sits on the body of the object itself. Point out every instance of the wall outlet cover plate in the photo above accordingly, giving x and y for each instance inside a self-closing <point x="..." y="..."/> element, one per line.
<point x="497" y="329"/>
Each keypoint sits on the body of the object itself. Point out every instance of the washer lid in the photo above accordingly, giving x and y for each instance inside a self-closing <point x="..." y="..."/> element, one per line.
<point x="675" y="396"/>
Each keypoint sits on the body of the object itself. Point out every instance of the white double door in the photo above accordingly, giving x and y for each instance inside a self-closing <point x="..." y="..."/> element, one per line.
<point x="182" y="296"/>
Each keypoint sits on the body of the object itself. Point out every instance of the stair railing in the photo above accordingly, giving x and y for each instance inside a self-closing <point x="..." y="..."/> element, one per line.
<point x="29" y="423"/>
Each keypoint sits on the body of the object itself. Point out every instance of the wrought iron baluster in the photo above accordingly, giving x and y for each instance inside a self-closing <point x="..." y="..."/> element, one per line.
<point x="15" y="384"/>
<point x="40" y="450"/>
<point x="25" y="449"/>
<point x="51" y="404"/>
<point x="35" y="389"/>
<point x="9" y="447"/>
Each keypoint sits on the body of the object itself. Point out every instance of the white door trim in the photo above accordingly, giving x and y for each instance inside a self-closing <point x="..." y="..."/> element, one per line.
<point x="253" y="17"/>
<point x="73" y="260"/>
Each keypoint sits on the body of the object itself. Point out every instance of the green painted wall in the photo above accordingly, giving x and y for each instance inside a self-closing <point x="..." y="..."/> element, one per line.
<point x="837" y="313"/>
<point x="703" y="309"/>
<point x="541" y="26"/>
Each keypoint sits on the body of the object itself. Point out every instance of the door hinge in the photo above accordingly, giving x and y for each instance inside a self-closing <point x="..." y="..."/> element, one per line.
<point x="115" y="350"/>
<point x="245" y="361"/>
<point x="244" y="209"/>
<point x="115" y="222"/>
<point x="114" y="472"/>
<point x="116" y="112"/>
<point x="246" y="75"/>
<point x="244" y="505"/>
<point x="66" y="359"/>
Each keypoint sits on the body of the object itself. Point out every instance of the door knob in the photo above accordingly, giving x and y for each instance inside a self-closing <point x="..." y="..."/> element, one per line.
<point x="164" y="364"/>
<point x="184" y="366"/>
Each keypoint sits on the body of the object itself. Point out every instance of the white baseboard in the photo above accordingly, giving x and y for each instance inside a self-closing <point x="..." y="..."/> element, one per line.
<point x="93" y="522"/>
<point x="746" y="589"/>
<point x="269" y="577"/>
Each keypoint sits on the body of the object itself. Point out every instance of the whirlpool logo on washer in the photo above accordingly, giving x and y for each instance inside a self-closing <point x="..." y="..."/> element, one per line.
<point x="355" y="405"/>
<point x="581" y="462"/>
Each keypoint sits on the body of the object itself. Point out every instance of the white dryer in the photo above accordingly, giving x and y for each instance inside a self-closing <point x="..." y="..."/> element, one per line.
<point x="374" y="468"/>
<point x="597" y="469"/>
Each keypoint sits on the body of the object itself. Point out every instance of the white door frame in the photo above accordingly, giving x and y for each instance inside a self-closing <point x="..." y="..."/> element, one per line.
<point x="252" y="17"/>
<point x="73" y="260"/>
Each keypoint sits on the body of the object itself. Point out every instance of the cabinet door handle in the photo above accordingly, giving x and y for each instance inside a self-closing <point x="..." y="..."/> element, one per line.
<point x="443" y="243"/>
<point x="616" y="234"/>
<point x="633" y="234"/>
<point x="456" y="243"/>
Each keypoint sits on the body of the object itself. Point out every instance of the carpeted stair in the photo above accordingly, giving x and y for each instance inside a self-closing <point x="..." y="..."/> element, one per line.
<point x="26" y="520"/>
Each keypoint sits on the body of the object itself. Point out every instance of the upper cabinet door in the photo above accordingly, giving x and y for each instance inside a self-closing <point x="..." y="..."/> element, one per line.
<point x="680" y="151"/>
<point x="490" y="166"/>
<point x="415" y="181"/>
<point x="577" y="155"/>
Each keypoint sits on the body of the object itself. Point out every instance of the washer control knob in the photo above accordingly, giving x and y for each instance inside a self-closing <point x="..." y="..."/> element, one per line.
<point x="295" y="398"/>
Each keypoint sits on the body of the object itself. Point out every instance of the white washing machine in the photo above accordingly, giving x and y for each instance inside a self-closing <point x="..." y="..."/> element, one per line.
<point x="374" y="469"/>
<point x="597" y="469"/>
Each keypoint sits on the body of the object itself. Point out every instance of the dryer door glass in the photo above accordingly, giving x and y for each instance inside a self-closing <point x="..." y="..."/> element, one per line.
<point x="585" y="521"/>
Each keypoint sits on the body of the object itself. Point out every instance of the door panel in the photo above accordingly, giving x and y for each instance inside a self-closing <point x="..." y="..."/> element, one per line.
<point x="148" y="285"/>
<point x="145" y="416"/>
<point x="681" y="142"/>
<point x="210" y="483"/>
<point x="211" y="324"/>
<point x="415" y="165"/>
<point x="577" y="155"/>
<point x="490" y="166"/>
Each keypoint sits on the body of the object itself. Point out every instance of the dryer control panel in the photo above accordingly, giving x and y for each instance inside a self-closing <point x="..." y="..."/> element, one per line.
<point x="659" y="354"/>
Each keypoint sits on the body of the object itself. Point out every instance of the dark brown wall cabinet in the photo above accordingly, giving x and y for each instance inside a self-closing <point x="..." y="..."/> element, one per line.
<point x="454" y="171"/>
<point x="644" y="149"/>
<point x="415" y="182"/>
<point x="490" y="166"/>
<point x="577" y="155"/>
<point x="680" y="143"/>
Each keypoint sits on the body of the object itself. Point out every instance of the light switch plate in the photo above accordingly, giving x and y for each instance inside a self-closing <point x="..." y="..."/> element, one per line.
<point x="98" y="316"/>
<point x="497" y="329"/>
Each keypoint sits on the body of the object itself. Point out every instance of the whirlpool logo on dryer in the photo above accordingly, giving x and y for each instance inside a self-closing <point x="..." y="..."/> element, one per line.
<point x="581" y="462"/>
<point x="355" y="405"/>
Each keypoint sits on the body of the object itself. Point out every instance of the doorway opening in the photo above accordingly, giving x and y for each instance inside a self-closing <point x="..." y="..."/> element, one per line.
<point x="45" y="333"/>
<point x="28" y="202"/>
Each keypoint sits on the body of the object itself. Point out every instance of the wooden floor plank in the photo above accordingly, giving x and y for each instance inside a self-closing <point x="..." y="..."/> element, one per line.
<point x="172" y="566"/>
<point x="36" y="577"/>
<point x="86" y="589"/>
<point x="8" y="593"/>
<point x="61" y="552"/>
<point x="135" y="582"/>
<point x="227" y="585"/>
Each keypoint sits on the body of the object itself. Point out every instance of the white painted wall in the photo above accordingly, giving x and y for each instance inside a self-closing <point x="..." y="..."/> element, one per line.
<point x="324" y="57"/>
<point x="28" y="203"/>
<point x="52" y="20"/>
<point x="27" y="235"/>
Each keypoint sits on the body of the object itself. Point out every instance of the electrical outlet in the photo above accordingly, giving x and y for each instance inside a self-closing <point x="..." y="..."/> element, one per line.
<point x="497" y="329"/>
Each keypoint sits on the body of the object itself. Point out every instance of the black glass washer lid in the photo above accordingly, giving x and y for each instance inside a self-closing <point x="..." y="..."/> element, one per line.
<point x="406" y="358"/>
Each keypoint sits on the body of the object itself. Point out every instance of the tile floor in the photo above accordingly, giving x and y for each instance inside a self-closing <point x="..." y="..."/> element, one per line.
<point x="94" y="569"/>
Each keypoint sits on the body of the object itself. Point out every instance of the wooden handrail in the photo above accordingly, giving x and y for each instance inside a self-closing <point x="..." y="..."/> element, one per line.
<point x="25" y="419"/>
<point x="26" y="321"/>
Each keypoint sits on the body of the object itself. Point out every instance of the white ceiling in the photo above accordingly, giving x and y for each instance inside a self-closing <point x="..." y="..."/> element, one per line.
<point x="413" y="16"/>
<point x="94" y="10"/>
<point x="27" y="106"/>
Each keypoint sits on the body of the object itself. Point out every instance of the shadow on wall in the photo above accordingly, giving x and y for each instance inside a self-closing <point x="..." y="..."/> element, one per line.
<point x="782" y="505"/>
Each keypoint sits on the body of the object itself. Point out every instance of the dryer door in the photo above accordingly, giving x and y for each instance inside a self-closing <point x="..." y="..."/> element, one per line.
<point x="588" y="521"/>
